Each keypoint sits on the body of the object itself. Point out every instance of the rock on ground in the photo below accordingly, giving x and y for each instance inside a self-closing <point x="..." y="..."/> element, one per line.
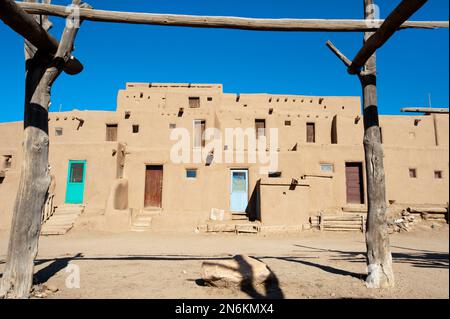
<point x="238" y="272"/>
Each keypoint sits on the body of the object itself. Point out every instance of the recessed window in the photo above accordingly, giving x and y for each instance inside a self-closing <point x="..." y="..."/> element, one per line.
<point x="275" y="174"/>
<point x="438" y="174"/>
<point x="127" y="115"/>
<point x="172" y="125"/>
<point x="260" y="127"/>
<point x="58" y="131"/>
<point x="2" y="179"/>
<point x="191" y="173"/>
<point x="135" y="128"/>
<point x="194" y="102"/>
<point x="412" y="173"/>
<point x="111" y="132"/>
<point x="209" y="99"/>
<point x="141" y="95"/>
<point x="287" y="123"/>
<point x="199" y="133"/>
<point x="327" y="168"/>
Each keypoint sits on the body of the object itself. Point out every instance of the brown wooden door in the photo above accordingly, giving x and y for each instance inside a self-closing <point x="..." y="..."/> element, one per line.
<point x="310" y="133"/>
<point x="153" y="186"/>
<point x="354" y="178"/>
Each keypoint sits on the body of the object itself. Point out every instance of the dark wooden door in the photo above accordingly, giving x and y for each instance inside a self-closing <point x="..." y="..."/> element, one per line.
<point x="354" y="180"/>
<point x="310" y="133"/>
<point x="153" y="186"/>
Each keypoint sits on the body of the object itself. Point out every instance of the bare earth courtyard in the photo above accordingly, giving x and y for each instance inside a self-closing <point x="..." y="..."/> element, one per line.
<point x="307" y="265"/>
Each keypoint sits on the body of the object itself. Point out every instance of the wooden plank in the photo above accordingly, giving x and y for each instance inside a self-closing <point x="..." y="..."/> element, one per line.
<point x="393" y="22"/>
<point x="224" y="22"/>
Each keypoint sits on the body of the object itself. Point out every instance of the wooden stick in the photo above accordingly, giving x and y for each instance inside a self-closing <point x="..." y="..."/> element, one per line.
<point x="25" y="25"/>
<point x="425" y="110"/>
<point x="339" y="54"/>
<point x="393" y="22"/>
<point x="223" y="22"/>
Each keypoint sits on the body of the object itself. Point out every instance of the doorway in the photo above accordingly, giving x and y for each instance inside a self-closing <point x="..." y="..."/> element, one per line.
<point x="153" y="186"/>
<point x="354" y="183"/>
<point x="75" y="182"/>
<point x="239" y="190"/>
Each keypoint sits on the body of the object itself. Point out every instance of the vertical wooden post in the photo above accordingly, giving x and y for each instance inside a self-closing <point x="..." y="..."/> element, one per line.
<point x="41" y="72"/>
<point x="379" y="259"/>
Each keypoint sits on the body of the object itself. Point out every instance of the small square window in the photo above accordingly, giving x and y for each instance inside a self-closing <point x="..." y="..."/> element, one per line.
<point x="287" y="123"/>
<point x="194" y="102"/>
<point x="191" y="173"/>
<point x="412" y="173"/>
<point x="172" y="125"/>
<point x="210" y="98"/>
<point x="135" y="129"/>
<point x="438" y="174"/>
<point x="58" y="131"/>
<point x="327" y="168"/>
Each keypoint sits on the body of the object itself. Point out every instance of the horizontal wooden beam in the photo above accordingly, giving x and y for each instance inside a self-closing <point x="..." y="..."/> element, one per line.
<point x="222" y="22"/>
<point x="393" y="22"/>
<point x="25" y="25"/>
<point x="425" y="110"/>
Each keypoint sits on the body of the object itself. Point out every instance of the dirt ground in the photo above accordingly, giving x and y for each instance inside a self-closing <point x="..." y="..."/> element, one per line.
<point x="168" y="265"/>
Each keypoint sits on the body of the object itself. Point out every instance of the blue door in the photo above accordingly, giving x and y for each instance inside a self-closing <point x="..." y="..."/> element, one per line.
<point x="239" y="190"/>
<point x="75" y="182"/>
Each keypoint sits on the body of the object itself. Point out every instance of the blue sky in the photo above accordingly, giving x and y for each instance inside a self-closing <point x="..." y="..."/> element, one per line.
<point x="411" y="65"/>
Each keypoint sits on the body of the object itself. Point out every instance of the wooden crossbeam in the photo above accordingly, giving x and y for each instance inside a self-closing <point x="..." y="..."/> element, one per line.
<point x="425" y="110"/>
<point x="223" y="22"/>
<point x="25" y="25"/>
<point x="393" y="22"/>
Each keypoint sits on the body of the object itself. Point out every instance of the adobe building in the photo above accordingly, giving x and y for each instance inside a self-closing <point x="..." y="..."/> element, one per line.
<point x="118" y="165"/>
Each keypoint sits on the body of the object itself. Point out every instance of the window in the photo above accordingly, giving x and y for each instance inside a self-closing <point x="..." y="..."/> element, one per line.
<point x="210" y="98"/>
<point x="199" y="133"/>
<point x="274" y="174"/>
<point x="334" y="138"/>
<point x="127" y="115"/>
<point x="287" y="123"/>
<point x="194" y="102"/>
<point x="111" y="132"/>
<point x="260" y="127"/>
<point x="58" y="131"/>
<point x="76" y="173"/>
<point x="191" y="173"/>
<point x="310" y="133"/>
<point x="327" y="168"/>
<point x="172" y="125"/>
<point x="381" y="135"/>
<point x="2" y="179"/>
<point x="438" y="174"/>
<point x="412" y="173"/>
<point x="135" y="128"/>
<point x="8" y="161"/>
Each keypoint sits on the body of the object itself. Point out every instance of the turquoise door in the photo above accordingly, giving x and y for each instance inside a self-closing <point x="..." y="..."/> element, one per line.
<point x="75" y="182"/>
<point x="239" y="190"/>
